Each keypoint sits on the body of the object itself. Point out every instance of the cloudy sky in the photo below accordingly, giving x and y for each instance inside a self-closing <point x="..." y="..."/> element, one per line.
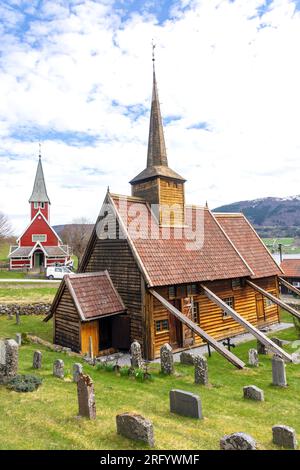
<point x="76" y="75"/>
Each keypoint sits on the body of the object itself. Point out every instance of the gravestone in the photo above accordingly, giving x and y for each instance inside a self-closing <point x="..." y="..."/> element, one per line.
<point x="166" y="359"/>
<point x="284" y="436"/>
<point x="185" y="404"/>
<point x="187" y="358"/>
<point x="277" y="341"/>
<point x="8" y="360"/>
<point x="86" y="397"/>
<point x="261" y="348"/>
<point x="253" y="358"/>
<point x="77" y="370"/>
<point x="278" y="371"/>
<point x="37" y="360"/>
<point x="136" y="355"/>
<point x="58" y="368"/>
<point x="252" y="392"/>
<point x="237" y="441"/>
<point x="19" y="339"/>
<point x="201" y="370"/>
<point x="136" y="427"/>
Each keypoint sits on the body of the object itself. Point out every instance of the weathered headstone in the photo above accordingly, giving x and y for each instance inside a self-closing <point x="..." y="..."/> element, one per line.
<point x="8" y="360"/>
<point x="77" y="370"/>
<point x="136" y="355"/>
<point x="253" y="358"/>
<point x="252" y="392"/>
<point x="19" y="339"/>
<point x="58" y="368"/>
<point x="201" y="370"/>
<point x="278" y="371"/>
<point x="86" y="397"/>
<point x="261" y="348"/>
<point x="166" y="359"/>
<point x="136" y="427"/>
<point x="37" y="360"/>
<point x="277" y="341"/>
<point x="186" y="357"/>
<point x="185" y="404"/>
<point x="284" y="436"/>
<point x="237" y="441"/>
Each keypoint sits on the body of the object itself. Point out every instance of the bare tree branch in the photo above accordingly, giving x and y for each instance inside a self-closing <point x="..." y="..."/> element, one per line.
<point x="76" y="235"/>
<point x="5" y="227"/>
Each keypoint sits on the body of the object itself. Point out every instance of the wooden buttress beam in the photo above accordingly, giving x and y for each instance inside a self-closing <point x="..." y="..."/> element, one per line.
<point x="246" y="324"/>
<point x="198" y="331"/>
<point x="274" y="299"/>
<point x="289" y="285"/>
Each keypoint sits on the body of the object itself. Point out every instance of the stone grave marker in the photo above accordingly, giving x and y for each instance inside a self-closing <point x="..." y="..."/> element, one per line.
<point x="77" y="370"/>
<point x="9" y="352"/>
<point x="201" y="370"/>
<point x="237" y="441"/>
<point x="284" y="436"/>
<point x="278" y="371"/>
<point x="253" y="358"/>
<point x="251" y="392"/>
<point x="58" y="368"/>
<point x="187" y="357"/>
<point x="136" y="427"/>
<point x="37" y="360"/>
<point x="136" y="355"/>
<point x="185" y="404"/>
<point x="86" y="397"/>
<point x="166" y="359"/>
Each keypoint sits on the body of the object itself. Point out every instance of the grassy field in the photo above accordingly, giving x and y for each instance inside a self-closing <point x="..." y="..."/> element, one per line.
<point x="4" y="250"/>
<point x="48" y="417"/>
<point x="12" y="275"/>
<point x="27" y="293"/>
<point x="289" y="245"/>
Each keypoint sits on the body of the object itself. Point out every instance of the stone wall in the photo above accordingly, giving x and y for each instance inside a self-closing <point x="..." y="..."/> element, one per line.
<point x="24" y="309"/>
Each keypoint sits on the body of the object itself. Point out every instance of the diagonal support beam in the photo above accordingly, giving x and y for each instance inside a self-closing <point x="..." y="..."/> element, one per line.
<point x="289" y="285"/>
<point x="274" y="299"/>
<point x="246" y="324"/>
<point x="198" y="331"/>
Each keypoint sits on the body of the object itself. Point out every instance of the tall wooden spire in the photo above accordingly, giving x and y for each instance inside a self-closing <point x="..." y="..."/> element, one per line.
<point x="157" y="183"/>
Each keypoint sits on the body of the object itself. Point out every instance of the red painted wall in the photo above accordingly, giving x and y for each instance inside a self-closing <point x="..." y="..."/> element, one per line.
<point x="45" y="211"/>
<point x="39" y="227"/>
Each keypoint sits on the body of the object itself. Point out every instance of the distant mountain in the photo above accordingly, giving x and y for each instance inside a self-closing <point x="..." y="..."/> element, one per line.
<point x="59" y="228"/>
<point x="272" y="216"/>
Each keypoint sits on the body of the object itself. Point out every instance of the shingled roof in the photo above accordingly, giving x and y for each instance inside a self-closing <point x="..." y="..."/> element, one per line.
<point x="249" y="245"/>
<point x="94" y="295"/>
<point x="39" y="192"/>
<point x="291" y="267"/>
<point x="170" y="261"/>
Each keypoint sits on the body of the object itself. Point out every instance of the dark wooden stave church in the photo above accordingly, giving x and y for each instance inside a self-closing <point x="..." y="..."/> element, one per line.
<point x="171" y="294"/>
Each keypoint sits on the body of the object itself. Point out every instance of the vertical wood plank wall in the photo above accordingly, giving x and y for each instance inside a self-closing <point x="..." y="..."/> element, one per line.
<point x="66" y="323"/>
<point x="211" y="316"/>
<point x="115" y="256"/>
<point x="88" y="329"/>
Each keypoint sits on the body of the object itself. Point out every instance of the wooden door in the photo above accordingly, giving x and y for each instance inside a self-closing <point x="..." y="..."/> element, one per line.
<point x="88" y="329"/>
<point x="260" y="308"/>
<point x="175" y="327"/>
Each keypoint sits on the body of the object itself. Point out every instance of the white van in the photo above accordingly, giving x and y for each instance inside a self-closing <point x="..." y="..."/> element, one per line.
<point x="57" y="272"/>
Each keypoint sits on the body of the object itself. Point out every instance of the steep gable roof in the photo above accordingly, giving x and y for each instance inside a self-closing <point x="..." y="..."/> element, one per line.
<point x="94" y="295"/>
<point x="248" y="243"/>
<point x="171" y="261"/>
<point x="39" y="213"/>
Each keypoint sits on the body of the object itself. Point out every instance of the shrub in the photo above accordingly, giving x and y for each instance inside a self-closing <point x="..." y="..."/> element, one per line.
<point x="24" y="383"/>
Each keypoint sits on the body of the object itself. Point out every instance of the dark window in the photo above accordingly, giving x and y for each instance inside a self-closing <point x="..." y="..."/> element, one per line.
<point x="172" y="292"/>
<point x="191" y="289"/>
<point x="161" y="325"/>
<point x="181" y="291"/>
<point x="230" y="302"/>
<point x="235" y="283"/>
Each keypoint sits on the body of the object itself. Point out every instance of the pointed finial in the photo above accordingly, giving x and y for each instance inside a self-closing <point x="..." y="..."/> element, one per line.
<point x="108" y="189"/>
<point x="206" y="205"/>
<point x="153" y="51"/>
<point x="40" y="150"/>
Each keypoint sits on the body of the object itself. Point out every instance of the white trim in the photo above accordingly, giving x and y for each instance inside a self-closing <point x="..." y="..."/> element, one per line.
<point x="32" y="220"/>
<point x="39" y="235"/>
<point x="38" y="244"/>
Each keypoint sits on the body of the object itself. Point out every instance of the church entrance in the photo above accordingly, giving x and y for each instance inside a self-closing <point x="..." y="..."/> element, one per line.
<point x="38" y="259"/>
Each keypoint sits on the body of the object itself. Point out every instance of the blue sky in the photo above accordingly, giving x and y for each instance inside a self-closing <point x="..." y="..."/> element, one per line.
<point x="77" y="76"/>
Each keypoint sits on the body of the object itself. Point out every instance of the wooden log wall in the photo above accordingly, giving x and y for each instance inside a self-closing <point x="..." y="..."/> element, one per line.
<point x="67" y="323"/>
<point x="172" y="193"/>
<point x="211" y="316"/>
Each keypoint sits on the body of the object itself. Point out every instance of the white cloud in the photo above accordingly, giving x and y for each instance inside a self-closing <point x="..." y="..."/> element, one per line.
<point x="79" y="67"/>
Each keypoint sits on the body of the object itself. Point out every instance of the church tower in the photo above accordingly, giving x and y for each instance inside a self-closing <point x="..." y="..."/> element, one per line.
<point x="158" y="184"/>
<point x="39" y="200"/>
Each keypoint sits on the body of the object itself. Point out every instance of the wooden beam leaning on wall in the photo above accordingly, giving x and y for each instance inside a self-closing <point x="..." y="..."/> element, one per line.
<point x="246" y="324"/>
<point x="198" y="331"/>
<point x="274" y="299"/>
<point x="288" y="285"/>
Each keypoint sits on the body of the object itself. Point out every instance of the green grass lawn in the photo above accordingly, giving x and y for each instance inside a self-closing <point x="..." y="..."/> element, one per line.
<point x="289" y="245"/>
<point x="4" y="250"/>
<point x="27" y="293"/>
<point x="12" y="275"/>
<point x="48" y="419"/>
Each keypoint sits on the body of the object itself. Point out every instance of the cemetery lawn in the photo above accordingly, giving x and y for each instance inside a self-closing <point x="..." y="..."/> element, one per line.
<point x="27" y="293"/>
<point x="47" y="418"/>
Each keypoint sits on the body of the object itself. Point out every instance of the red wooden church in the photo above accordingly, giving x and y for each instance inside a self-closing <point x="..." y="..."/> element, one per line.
<point x="39" y="245"/>
<point x="171" y="294"/>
